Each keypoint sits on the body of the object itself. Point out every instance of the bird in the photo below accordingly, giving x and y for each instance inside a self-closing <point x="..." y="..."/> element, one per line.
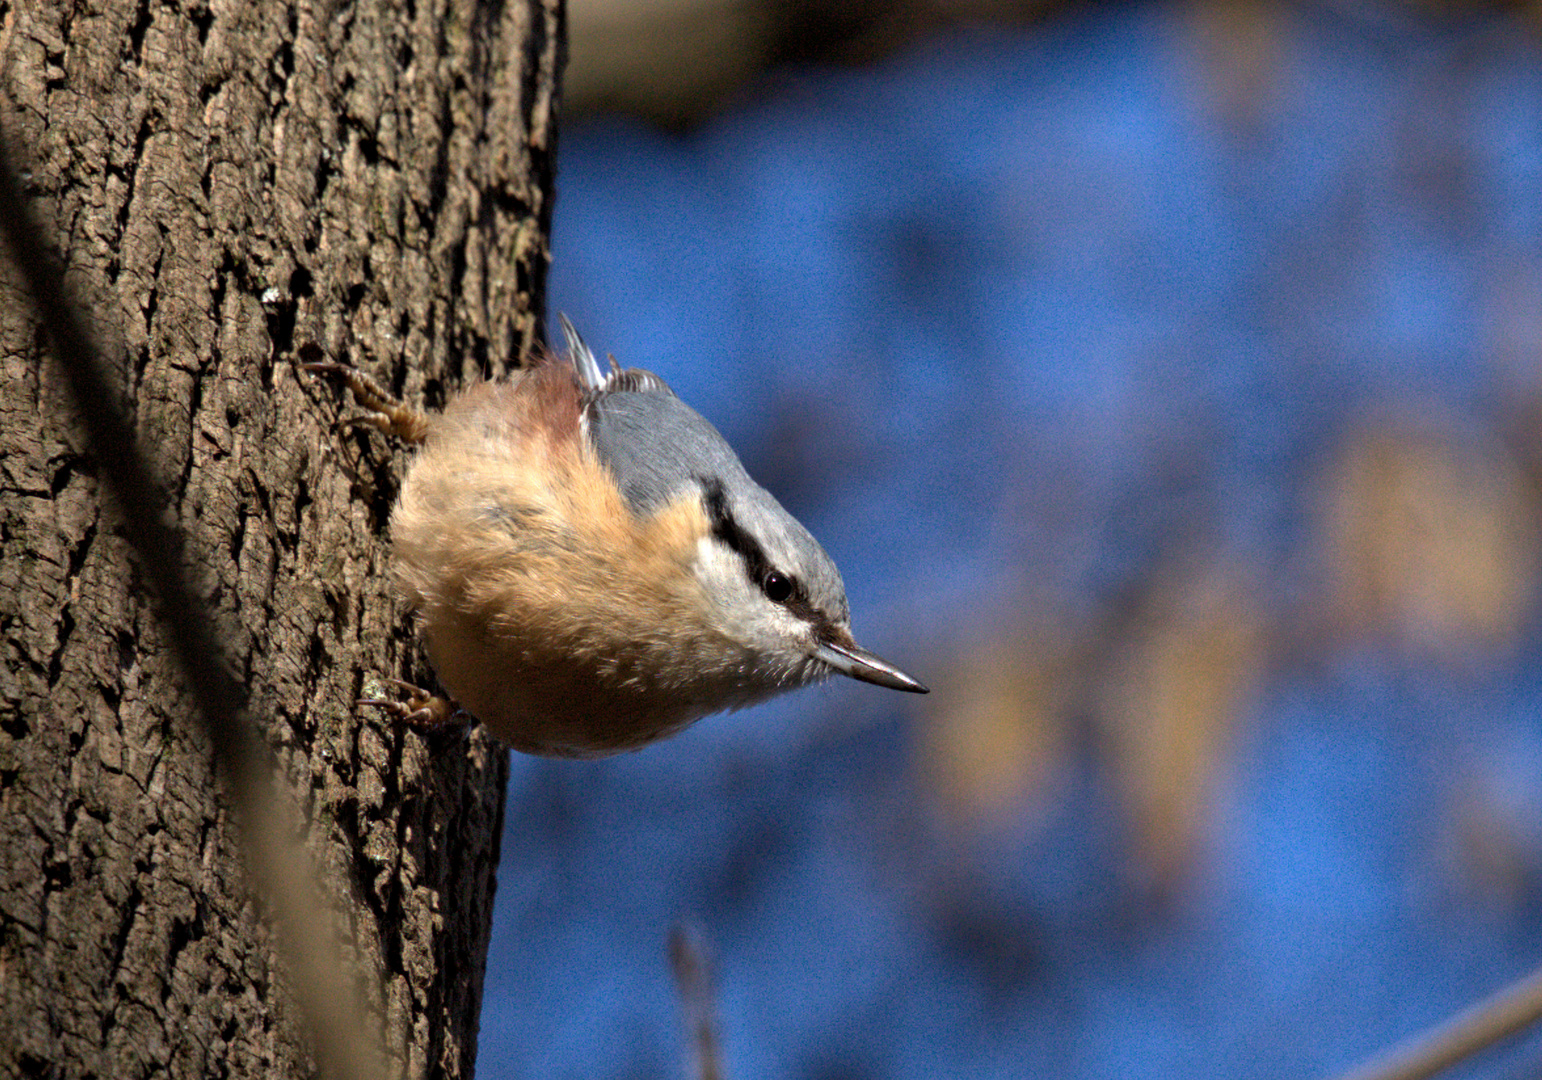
<point x="591" y="567"/>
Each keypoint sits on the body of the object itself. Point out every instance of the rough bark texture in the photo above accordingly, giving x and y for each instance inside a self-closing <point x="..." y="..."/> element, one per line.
<point x="233" y="180"/>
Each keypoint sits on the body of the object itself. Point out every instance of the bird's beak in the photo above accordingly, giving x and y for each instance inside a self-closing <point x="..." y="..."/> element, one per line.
<point x="849" y="658"/>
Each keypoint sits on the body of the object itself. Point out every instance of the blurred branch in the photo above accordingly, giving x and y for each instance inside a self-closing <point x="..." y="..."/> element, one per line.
<point x="678" y="61"/>
<point x="692" y="966"/>
<point x="1482" y="1025"/>
<point x="320" y="980"/>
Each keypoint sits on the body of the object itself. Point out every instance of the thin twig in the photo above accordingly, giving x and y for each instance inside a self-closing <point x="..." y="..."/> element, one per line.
<point x="280" y="869"/>
<point x="690" y="960"/>
<point x="1475" y="1028"/>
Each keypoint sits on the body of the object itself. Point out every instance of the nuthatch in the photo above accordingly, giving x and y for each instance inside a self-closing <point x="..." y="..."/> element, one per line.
<point x="592" y="567"/>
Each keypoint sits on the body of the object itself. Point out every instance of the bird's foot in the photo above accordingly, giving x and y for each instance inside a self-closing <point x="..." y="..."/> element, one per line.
<point x="420" y="709"/>
<point x="382" y="411"/>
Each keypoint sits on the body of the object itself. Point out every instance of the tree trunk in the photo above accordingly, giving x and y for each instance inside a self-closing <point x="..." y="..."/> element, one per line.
<point x="232" y="181"/>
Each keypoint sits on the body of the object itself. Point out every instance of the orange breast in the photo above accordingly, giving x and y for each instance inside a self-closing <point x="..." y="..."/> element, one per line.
<point x="562" y="621"/>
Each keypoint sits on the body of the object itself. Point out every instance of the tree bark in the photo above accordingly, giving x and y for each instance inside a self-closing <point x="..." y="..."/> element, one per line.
<point x="232" y="181"/>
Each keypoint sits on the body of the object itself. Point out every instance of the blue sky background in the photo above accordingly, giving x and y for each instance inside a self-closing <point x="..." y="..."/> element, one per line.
<point x="1033" y="328"/>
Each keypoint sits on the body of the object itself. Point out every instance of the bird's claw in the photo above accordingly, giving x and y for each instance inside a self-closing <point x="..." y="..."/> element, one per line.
<point x="421" y="709"/>
<point x="381" y="411"/>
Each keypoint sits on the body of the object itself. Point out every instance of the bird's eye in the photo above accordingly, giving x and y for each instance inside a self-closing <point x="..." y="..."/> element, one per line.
<point x="777" y="586"/>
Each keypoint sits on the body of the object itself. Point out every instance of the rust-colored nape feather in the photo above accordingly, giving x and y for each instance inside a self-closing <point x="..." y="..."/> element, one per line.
<point x="557" y="401"/>
<point x="539" y="404"/>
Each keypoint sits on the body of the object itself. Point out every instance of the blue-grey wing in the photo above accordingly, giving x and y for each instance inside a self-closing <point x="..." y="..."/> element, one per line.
<point x="657" y="447"/>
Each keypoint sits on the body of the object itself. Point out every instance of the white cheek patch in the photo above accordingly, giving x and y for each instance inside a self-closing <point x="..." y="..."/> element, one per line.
<point x="740" y="607"/>
<point x="721" y="571"/>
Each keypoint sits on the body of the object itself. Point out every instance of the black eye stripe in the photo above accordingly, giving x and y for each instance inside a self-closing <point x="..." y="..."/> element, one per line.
<point x="726" y="529"/>
<point x="762" y="574"/>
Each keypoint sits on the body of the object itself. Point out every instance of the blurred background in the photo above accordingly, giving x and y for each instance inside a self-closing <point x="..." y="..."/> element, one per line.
<point x="1166" y="379"/>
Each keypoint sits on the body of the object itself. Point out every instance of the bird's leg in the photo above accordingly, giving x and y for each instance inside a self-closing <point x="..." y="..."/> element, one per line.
<point x="421" y="709"/>
<point x="382" y="411"/>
